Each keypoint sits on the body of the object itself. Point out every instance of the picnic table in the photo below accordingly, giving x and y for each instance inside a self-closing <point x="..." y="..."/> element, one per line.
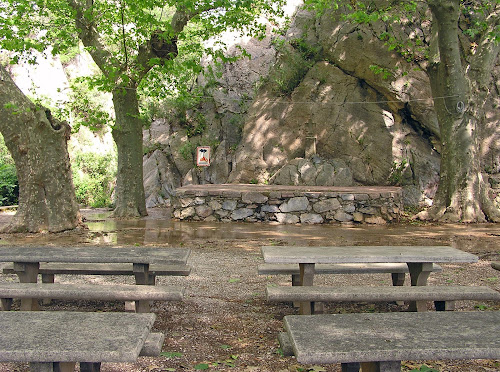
<point x="420" y="260"/>
<point x="27" y="260"/>
<point x="380" y="341"/>
<point x="56" y="340"/>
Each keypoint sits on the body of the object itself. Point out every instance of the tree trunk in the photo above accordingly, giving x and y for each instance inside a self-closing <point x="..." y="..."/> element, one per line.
<point x="127" y="133"/>
<point x="38" y="145"/>
<point x="461" y="191"/>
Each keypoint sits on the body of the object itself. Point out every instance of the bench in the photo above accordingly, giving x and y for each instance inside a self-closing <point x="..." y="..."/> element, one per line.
<point x="48" y="270"/>
<point x="380" y="341"/>
<point x="56" y="340"/>
<point x="141" y="294"/>
<point x="397" y="270"/>
<point x="444" y="296"/>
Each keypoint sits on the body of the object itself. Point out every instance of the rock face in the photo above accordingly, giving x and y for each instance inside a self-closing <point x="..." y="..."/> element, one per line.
<point x="321" y="116"/>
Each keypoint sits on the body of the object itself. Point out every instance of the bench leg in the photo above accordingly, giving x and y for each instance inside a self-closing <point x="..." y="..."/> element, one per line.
<point x="350" y="367"/>
<point x="306" y="278"/>
<point x="444" y="305"/>
<point x="295" y="282"/>
<point x="90" y="367"/>
<point x="6" y="304"/>
<point x="392" y="366"/>
<point x="27" y="273"/>
<point x="53" y="367"/>
<point x="143" y="306"/>
<point x="398" y="279"/>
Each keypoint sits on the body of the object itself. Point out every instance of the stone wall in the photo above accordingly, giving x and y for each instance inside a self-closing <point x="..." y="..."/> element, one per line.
<point x="287" y="204"/>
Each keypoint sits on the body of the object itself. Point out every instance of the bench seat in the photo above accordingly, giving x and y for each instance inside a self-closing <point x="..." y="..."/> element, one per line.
<point x="103" y="269"/>
<point x="341" y="268"/>
<point x="142" y="294"/>
<point x="398" y="270"/>
<point x="380" y="341"/>
<point x="443" y="295"/>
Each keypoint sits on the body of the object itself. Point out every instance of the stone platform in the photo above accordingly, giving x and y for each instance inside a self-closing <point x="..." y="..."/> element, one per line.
<point x="287" y="204"/>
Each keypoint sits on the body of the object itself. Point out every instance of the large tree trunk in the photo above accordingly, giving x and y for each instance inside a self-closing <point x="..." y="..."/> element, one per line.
<point x="38" y="145"/>
<point x="127" y="133"/>
<point x="461" y="192"/>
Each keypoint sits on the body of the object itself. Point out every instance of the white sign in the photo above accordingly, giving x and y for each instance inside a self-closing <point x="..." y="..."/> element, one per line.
<point x="203" y="156"/>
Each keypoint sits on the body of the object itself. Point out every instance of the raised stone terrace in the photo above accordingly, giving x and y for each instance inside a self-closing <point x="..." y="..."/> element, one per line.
<point x="287" y="204"/>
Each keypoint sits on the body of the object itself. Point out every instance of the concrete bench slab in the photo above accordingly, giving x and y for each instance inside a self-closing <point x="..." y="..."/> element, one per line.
<point x="61" y="336"/>
<point x="388" y="338"/>
<point x="114" y="292"/>
<point x="344" y="268"/>
<point x="103" y="269"/>
<point x="444" y="296"/>
<point x="377" y="294"/>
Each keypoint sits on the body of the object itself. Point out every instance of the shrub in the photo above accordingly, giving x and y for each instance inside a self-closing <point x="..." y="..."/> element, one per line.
<point x="93" y="177"/>
<point x="9" y="186"/>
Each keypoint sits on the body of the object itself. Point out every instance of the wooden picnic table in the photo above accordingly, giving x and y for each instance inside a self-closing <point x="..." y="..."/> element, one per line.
<point x="56" y="340"/>
<point x="27" y="260"/>
<point x="420" y="260"/>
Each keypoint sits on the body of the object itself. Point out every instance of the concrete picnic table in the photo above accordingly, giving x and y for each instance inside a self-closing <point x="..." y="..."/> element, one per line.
<point x="383" y="340"/>
<point x="420" y="260"/>
<point x="56" y="340"/>
<point x="27" y="260"/>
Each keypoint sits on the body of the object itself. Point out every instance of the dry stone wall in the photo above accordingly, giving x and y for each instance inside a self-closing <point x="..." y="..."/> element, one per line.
<point x="287" y="205"/>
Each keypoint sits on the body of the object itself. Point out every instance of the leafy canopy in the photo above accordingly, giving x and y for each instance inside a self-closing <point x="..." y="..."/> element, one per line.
<point x="123" y="28"/>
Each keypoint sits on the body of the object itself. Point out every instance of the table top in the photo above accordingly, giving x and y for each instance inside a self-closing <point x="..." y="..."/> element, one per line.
<point x="84" y="254"/>
<point x="363" y="337"/>
<point x="359" y="254"/>
<point x="61" y="336"/>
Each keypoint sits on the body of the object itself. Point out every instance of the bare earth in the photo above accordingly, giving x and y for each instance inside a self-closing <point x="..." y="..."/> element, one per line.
<point x="224" y="322"/>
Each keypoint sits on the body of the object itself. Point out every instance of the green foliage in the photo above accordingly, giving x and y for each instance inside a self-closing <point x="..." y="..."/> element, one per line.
<point x="379" y="70"/>
<point x="9" y="186"/>
<point x="93" y="177"/>
<point x="187" y="150"/>
<point x="398" y="168"/>
<point x="295" y="60"/>
<point x="88" y="107"/>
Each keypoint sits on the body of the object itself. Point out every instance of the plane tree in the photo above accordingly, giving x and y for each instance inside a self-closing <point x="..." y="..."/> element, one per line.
<point x="457" y="43"/>
<point x="139" y="46"/>
<point x="38" y="144"/>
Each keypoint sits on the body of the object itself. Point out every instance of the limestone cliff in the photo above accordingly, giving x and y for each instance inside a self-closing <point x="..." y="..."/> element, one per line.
<point x="327" y="104"/>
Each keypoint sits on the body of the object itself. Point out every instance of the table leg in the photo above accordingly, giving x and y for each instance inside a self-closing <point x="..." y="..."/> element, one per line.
<point x="143" y="277"/>
<point x="49" y="279"/>
<point x="27" y="272"/>
<point x="419" y="272"/>
<point x="306" y="278"/>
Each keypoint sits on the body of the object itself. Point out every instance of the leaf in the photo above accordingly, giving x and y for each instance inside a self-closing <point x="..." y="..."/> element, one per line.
<point x="225" y="347"/>
<point x="234" y="280"/>
<point x="201" y="366"/>
<point x="171" y="354"/>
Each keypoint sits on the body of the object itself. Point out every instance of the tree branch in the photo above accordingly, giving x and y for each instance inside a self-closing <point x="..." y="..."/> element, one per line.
<point x="90" y="37"/>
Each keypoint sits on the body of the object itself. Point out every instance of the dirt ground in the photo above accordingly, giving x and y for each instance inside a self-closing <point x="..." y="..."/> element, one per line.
<point x="224" y="322"/>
